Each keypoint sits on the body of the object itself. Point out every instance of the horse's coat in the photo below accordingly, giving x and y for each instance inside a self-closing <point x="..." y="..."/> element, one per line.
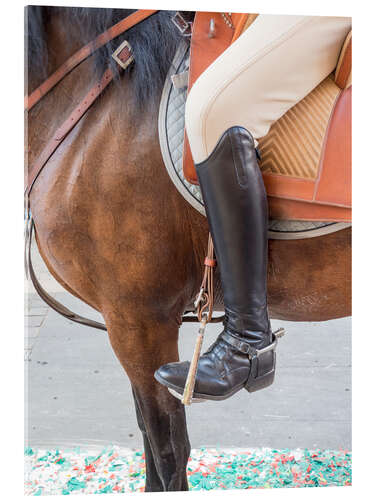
<point x="115" y="232"/>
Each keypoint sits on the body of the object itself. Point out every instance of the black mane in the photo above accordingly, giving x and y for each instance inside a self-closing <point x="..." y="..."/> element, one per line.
<point x="154" y="42"/>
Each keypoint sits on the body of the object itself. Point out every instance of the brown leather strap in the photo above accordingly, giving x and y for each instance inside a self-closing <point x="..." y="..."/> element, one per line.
<point x="88" y="100"/>
<point x="65" y="128"/>
<point x="48" y="299"/>
<point x="209" y="262"/>
<point x="205" y="298"/>
<point x="84" y="53"/>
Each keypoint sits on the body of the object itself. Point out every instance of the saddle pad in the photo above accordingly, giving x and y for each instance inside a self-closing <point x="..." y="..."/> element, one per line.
<point x="171" y="137"/>
<point x="306" y="156"/>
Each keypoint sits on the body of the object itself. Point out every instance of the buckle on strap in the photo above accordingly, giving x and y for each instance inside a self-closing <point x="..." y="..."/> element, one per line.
<point x="181" y="24"/>
<point x="123" y="55"/>
<point x="246" y="348"/>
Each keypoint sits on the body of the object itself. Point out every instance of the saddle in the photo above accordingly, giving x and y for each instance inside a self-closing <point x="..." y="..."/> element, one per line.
<point x="310" y="179"/>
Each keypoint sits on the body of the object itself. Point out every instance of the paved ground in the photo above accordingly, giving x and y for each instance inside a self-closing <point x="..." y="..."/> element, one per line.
<point x="77" y="393"/>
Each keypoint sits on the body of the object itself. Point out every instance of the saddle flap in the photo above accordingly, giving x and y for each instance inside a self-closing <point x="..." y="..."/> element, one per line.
<point x="204" y="49"/>
<point x="311" y="178"/>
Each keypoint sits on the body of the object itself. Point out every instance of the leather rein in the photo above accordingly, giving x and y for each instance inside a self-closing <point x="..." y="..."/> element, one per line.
<point x="123" y="56"/>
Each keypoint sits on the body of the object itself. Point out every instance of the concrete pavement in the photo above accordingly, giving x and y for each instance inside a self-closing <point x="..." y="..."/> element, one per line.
<point x="78" y="394"/>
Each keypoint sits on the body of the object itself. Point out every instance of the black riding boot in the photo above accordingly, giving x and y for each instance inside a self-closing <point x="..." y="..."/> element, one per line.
<point x="236" y="205"/>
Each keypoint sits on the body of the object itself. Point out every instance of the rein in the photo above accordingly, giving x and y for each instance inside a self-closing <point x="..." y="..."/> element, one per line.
<point x="84" y="53"/>
<point x="123" y="56"/>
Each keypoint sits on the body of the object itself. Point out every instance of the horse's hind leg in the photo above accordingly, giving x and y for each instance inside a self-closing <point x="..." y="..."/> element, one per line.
<point x="142" y="346"/>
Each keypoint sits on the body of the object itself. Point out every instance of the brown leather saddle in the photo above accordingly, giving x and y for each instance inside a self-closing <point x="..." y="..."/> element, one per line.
<point x="306" y="156"/>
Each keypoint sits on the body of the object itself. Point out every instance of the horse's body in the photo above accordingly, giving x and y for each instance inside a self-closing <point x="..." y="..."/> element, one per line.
<point x="115" y="232"/>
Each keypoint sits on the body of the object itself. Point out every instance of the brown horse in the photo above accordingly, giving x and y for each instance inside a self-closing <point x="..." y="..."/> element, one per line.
<point x="115" y="232"/>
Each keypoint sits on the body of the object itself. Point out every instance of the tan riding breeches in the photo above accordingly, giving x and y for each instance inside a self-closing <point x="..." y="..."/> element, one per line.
<point x="274" y="64"/>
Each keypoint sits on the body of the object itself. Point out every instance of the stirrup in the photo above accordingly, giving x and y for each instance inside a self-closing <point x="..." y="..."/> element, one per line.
<point x="180" y="396"/>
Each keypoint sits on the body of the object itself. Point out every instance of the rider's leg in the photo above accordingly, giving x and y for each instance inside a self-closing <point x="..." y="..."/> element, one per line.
<point x="236" y="207"/>
<point x="240" y="88"/>
<point x="274" y="64"/>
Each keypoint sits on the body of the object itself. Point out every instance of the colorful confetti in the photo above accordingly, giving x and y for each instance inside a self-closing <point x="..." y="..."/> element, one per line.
<point x="115" y="470"/>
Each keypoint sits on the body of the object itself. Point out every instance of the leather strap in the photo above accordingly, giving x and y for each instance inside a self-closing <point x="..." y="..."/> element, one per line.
<point x="246" y="347"/>
<point x="205" y="299"/>
<point x="65" y="128"/>
<point x="209" y="262"/>
<point x="48" y="299"/>
<point x="84" y="53"/>
<point x="124" y="55"/>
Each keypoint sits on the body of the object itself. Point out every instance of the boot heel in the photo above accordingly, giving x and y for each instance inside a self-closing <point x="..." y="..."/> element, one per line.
<point x="262" y="372"/>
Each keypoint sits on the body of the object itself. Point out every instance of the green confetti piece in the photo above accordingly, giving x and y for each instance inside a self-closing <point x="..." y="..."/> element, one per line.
<point x="45" y="457"/>
<point x="115" y="467"/>
<point x="106" y="489"/>
<point x="75" y="484"/>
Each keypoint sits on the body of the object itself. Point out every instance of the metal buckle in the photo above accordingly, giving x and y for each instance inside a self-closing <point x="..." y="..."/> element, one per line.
<point x="244" y="348"/>
<point x="183" y="26"/>
<point x="199" y="298"/>
<point x="119" y="49"/>
<point x="212" y="29"/>
<point x="241" y="346"/>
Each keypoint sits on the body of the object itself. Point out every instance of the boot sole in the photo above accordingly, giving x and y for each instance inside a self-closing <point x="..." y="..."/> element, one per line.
<point x="197" y="395"/>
